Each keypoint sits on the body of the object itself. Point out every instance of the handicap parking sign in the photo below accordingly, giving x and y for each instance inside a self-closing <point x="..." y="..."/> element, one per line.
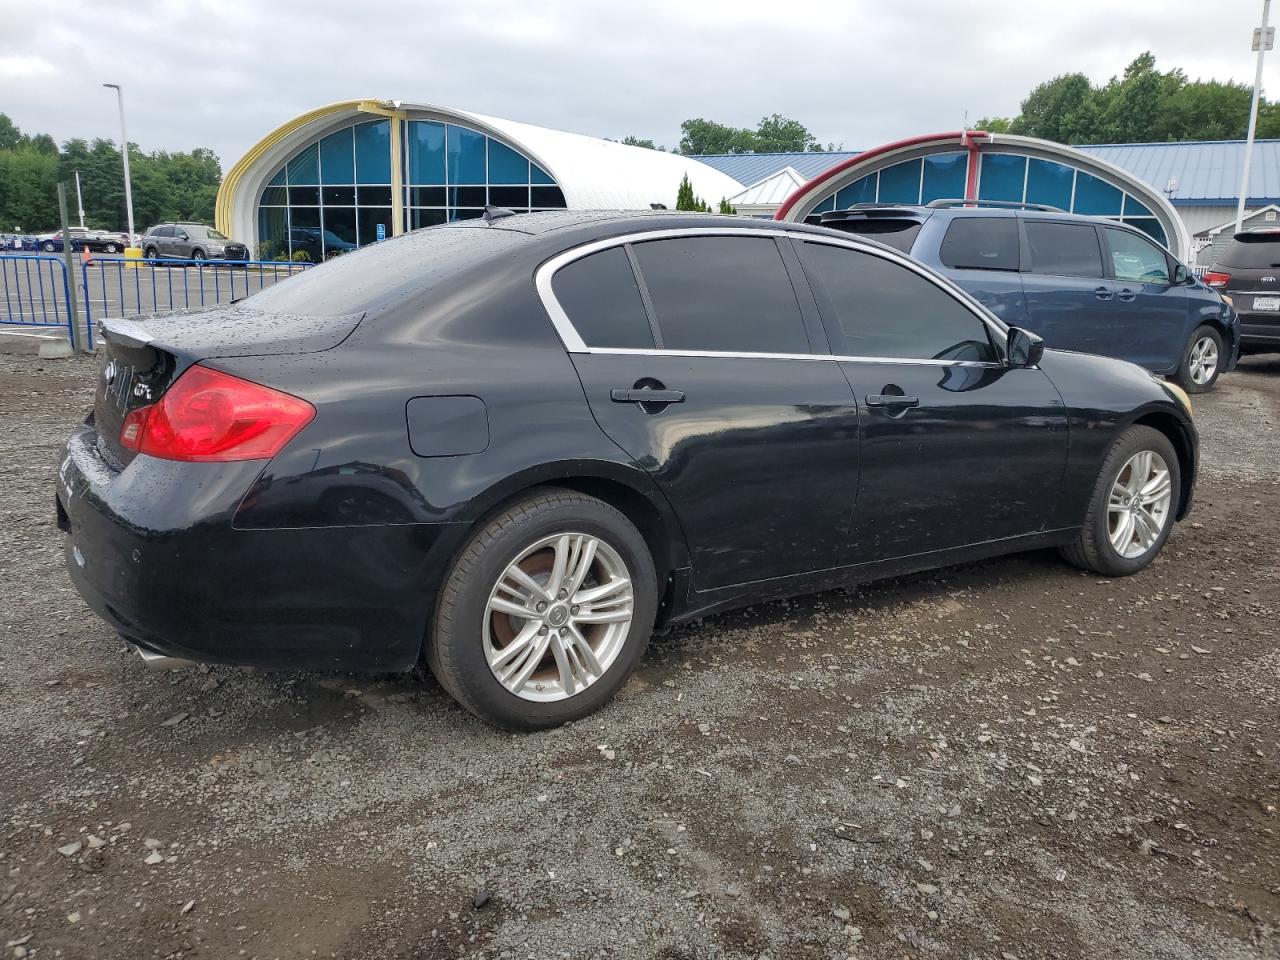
<point x="382" y="231"/>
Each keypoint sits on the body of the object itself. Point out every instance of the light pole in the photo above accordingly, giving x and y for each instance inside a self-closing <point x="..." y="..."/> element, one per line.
<point x="79" y="200"/>
<point x="124" y="152"/>
<point x="1262" y="43"/>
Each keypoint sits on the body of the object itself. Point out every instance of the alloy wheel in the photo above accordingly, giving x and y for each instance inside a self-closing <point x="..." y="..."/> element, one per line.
<point x="1203" y="361"/>
<point x="558" y="617"/>
<point x="1139" y="505"/>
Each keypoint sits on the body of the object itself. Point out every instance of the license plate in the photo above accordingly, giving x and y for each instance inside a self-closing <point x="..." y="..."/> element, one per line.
<point x="1266" y="303"/>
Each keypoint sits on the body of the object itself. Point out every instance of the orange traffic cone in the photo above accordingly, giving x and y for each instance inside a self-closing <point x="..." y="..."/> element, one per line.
<point x="86" y="255"/>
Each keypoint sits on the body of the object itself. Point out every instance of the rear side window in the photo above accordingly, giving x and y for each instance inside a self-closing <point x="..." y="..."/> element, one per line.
<point x="1252" y="254"/>
<point x="1134" y="258"/>
<point x="162" y="232"/>
<point x="882" y="309"/>
<point x="981" y="243"/>
<point x="600" y="296"/>
<point x="897" y="233"/>
<point x="722" y="293"/>
<point x="1063" y="249"/>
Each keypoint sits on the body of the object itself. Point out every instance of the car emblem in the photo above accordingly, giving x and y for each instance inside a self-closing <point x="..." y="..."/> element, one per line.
<point x="1268" y="279"/>
<point x="109" y="372"/>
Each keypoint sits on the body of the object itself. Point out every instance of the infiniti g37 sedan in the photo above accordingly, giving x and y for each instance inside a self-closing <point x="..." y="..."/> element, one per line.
<point x="515" y="447"/>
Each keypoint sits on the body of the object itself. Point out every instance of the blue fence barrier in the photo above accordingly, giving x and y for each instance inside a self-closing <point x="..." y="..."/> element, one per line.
<point x="36" y="292"/>
<point x="130" y="288"/>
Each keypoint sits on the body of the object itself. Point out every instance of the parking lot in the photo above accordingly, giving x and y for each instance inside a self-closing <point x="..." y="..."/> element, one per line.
<point x="1009" y="759"/>
<point x="31" y="290"/>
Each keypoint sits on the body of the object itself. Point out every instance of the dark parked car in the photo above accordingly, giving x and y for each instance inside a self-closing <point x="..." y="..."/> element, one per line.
<point x="1081" y="283"/>
<point x="99" y="241"/>
<point x="515" y="447"/>
<point x="319" y="244"/>
<point x="1248" y="271"/>
<point x="190" y="241"/>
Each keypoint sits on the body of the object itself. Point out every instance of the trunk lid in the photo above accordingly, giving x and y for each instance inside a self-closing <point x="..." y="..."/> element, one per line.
<point x="142" y="358"/>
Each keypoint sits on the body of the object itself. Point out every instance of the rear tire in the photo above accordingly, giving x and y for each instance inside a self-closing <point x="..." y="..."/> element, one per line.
<point x="151" y="253"/>
<point x="584" y="651"/>
<point x="109" y="248"/>
<point x="1202" y="361"/>
<point x="1113" y="508"/>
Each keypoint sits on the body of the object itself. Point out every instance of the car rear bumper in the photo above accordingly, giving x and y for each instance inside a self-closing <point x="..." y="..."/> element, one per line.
<point x="153" y="551"/>
<point x="1260" y="329"/>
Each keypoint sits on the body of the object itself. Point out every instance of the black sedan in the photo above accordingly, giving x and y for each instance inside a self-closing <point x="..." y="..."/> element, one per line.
<point x="516" y="446"/>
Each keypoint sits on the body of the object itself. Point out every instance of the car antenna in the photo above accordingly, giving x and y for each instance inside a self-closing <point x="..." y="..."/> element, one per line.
<point x="492" y="213"/>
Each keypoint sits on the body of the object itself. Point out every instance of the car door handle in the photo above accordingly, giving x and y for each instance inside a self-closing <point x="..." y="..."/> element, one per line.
<point x="645" y="395"/>
<point x="1126" y="295"/>
<point x="891" y="400"/>
<point x="1102" y="293"/>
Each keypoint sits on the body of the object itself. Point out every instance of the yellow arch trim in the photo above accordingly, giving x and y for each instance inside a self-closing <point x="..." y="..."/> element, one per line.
<point x="231" y="182"/>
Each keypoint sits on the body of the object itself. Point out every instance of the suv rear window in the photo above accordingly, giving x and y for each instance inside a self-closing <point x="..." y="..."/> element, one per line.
<point x="898" y="233"/>
<point x="981" y="243"/>
<point x="1063" y="249"/>
<point x="1257" y="254"/>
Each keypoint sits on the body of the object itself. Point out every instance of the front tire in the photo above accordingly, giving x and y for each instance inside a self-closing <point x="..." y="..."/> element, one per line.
<point x="197" y="254"/>
<point x="545" y="612"/>
<point x="47" y="246"/>
<point x="1132" y="508"/>
<point x="1202" y="361"/>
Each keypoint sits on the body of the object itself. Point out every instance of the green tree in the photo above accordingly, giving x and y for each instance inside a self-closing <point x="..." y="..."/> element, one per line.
<point x="1051" y="111"/>
<point x="779" y="134"/>
<point x="994" y="124"/>
<point x="727" y="207"/>
<point x="699" y="136"/>
<point x="638" y="142"/>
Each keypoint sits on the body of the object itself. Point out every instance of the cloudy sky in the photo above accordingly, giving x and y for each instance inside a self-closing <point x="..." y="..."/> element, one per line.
<point x="856" y="72"/>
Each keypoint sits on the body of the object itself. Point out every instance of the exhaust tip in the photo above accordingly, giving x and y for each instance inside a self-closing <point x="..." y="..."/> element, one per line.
<point x="158" y="661"/>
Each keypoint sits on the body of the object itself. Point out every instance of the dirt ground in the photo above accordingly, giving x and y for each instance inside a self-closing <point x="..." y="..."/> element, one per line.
<point x="1009" y="759"/>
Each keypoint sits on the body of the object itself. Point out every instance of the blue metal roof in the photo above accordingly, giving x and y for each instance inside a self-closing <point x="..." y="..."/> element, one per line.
<point x="749" y="168"/>
<point x="1207" y="172"/>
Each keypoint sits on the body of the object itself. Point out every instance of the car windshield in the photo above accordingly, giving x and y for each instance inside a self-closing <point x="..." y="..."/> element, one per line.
<point x="1253" y="254"/>
<point x="383" y="273"/>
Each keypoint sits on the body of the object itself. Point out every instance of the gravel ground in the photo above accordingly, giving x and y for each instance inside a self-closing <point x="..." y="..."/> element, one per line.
<point x="1006" y="759"/>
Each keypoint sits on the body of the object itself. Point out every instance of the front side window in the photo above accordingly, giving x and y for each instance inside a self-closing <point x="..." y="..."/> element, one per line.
<point x="1135" y="258"/>
<point x="882" y="309"/>
<point x="981" y="243"/>
<point x="600" y="296"/>
<point x="1063" y="249"/>
<point x="722" y="294"/>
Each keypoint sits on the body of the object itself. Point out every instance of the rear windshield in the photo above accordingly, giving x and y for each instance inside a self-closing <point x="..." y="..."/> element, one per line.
<point x="897" y="233"/>
<point x="384" y="274"/>
<point x="1252" y="254"/>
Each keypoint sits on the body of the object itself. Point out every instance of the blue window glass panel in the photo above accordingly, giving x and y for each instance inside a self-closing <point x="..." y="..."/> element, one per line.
<point x="278" y="180"/>
<point x="539" y="175"/>
<point x="304" y="168"/>
<point x="373" y="152"/>
<point x="944" y="175"/>
<point x="337" y="164"/>
<point x="825" y="205"/>
<point x="466" y="155"/>
<point x="1049" y="182"/>
<point x="860" y="191"/>
<point x="426" y="152"/>
<point x="900" y="183"/>
<point x="1002" y="177"/>
<point x="1132" y="208"/>
<point x="1096" y="197"/>
<point x="1151" y="227"/>
<point x="505" y="165"/>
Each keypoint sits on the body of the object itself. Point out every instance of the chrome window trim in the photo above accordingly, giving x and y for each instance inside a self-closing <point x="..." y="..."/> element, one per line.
<point x="574" y="343"/>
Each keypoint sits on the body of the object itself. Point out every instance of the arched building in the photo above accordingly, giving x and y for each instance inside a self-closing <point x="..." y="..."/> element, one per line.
<point x="985" y="166"/>
<point x="357" y="171"/>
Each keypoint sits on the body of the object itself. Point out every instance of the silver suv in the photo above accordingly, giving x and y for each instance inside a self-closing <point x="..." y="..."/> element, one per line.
<point x="190" y="241"/>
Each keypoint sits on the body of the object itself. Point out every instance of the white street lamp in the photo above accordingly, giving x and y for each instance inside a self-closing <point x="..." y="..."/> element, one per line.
<point x="1262" y="42"/>
<point x="124" y="152"/>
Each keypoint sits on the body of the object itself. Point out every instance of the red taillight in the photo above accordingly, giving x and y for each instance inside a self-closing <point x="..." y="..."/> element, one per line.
<point x="209" y="415"/>
<point x="1215" y="279"/>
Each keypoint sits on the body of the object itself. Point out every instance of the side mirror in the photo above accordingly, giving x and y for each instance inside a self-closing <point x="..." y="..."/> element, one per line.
<point x="1181" y="274"/>
<point x="1024" y="348"/>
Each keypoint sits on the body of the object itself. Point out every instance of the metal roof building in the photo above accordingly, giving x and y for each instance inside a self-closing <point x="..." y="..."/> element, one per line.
<point x="1201" y="179"/>
<point x="358" y="171"/>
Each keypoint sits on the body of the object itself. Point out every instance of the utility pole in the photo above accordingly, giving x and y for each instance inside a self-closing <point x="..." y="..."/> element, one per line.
<point x="124" y="152"/>
<point x="79" y="200"/>
<point x="1263" y="39"/>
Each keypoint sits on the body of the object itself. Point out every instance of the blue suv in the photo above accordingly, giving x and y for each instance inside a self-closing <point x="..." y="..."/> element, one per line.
<point x="1081" y="283"/>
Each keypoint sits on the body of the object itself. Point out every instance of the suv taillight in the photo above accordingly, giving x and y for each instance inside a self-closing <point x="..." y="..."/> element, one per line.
<point x="208" y="415"/>
<point x="1216" y="279"/>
